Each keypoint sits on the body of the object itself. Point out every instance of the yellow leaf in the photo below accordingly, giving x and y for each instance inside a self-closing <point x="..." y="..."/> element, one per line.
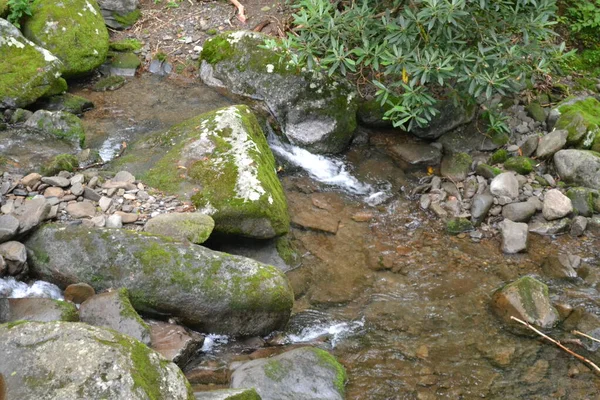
<point x="404" y="75"/>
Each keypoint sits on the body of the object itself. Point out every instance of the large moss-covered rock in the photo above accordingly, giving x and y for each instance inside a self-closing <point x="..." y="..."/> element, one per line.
<point x="61" y="124"/>
<point x="303" y="374"/>
<point x="68" y="361"/>
<point x="27" y="71"/>
<point x="209" y="290"/>
<point x="580" y="167"/>
<point x="221" y="160"/>
<point x="73" y="30"/>
<point x="314" y="112"/>
<point x="581" y="118"/>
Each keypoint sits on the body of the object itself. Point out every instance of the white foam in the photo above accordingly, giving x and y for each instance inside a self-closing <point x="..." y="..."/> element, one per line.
<point x="11" y="288"/>
<point x="335" y="331"/>
<point x="212" y="342"/>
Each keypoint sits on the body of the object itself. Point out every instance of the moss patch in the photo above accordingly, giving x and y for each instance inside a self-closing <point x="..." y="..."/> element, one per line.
<point x="58" y="87"/>
<point x="125" y="60"/>
<point x="455" y="226"/>
<point x="69" y="311"/>
<point x="62" y="162"/>
<point x="125" y="45"/>
<point x="329" y="361"/>
<point x="109" y="83"/>
<point x="498" y="157"/>
<point x="581" y="118"/>
<point x="126" y="20"/>
<point x="521" y="165"/>
<point x="275" y="370"/>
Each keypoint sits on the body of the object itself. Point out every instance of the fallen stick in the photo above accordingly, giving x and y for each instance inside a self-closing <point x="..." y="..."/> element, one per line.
<point x="556" y="342"/>
<point x="586" y="336"/>
<point x="241" y="16"/>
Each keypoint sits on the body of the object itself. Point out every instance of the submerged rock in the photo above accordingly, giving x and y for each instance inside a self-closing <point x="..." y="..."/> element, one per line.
<point x="212" y="291"/>
<point x="66" y="360"/>
<point x="304" y="374"/>
<point x="27" y="71"/>
<point x="318" y="114"/>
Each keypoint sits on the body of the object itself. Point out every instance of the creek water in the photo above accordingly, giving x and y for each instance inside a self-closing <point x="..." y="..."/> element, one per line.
<point x="404" y="306"/>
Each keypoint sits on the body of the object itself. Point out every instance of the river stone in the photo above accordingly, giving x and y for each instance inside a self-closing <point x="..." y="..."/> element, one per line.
<point x="207" y="290"/>
<point x="526" y="299"/>
<point x="556" y="205"/>
<point x="127" y="218"/>
<point x="582" y="200"/>
<point x="530" y="145"/>
<point x="579" y="117"/>
<point x="123" y="176"/>
<point x="57" y="181"/>
<point x="113" y="310"/>
<point x="69" y="361"/>
<point x="31" y="214"/>
<point x="61" y="124"/>
<point x="228" y="394"/>
<point x="558" y="267"/>
<point x="480" y="207"/>
<point x="579" y="167"/>
<point x="316" y="113"/>
<point x="519" y="212"/>
<point x="409" y="155"/>
<point x="79" y="292"/>
<point x="228" y="171"/>
<point x="551" y="143"/>
<point x="456" y="166"/>
<point x="514" y="236"/>
<point x="119" y="14"/>
<point x="82" y="209"/>
<point x="306" y="373"/>
<point x="34" y="309"/>
<point x="450" y="116"/>
<point x="73" y="30"/>
<point x="66" y="102"/>
<point x="173" y="342"/>
<point x="114" y="222"/>
<point x="505" y="184"/>
<point x="9" y="226"/>
<point x="31" y="179"/>
<point x="579" y="225"/>
<point x="27" y="71"/>
<point x="546" y="228"/>
<point x="77" y="189"/>
<point x="15" y="257"/>
<point x="193" y="227"/>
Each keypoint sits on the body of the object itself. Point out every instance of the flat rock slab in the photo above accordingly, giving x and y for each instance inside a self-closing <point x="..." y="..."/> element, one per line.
<point x="173" y="341"/>
<point x="81" y="209"/>
<point x="34" y="309"/>
<point x="415" y="154"/>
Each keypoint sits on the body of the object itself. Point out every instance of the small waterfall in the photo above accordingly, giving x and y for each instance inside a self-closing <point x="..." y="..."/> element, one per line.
<point x="10" y="287"/>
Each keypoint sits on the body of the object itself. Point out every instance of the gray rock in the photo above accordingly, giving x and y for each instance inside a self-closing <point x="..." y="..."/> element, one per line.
<point x="77" y="189"/>
<point x="580" y="167"/>
<point x="105" y="203"/>
<point x="425" y="201"/>
<point x="450" y="117"/>
<point x="78" y="178"/>
<point x="114" y="221"/>
<point x="2" y="270"/>
<point x="31" y="179"/>
<point x="174" y="342"/>
<point x="15" y="257"/>
<point x="228" y="394"/>
<point x="113" y="310"/>
<point x="83" y="209"/>
<point x="546" y="228"/>
<point x="578" y="226"/>
<point x="306" y="373"/>
<point x="113" y="9"/>
<point x="34" y="309"/>
<point x="123" y="176"/>
<point x="529" y="146"/>
<point x="551" y="143"/>
<point x="314" y="113"/>
<point x="208" y="290"/>
<point x="556" y="205"/>
<point x="193" y="227"/>
<point x="79" y="292"/>
<point x="582" y="200"/>
<point x="505" y="184"/>
<point x="514" y="236"/>
<point x="91" y="194"/>
<point x="57" y="181"/>
<point x="480" y="207"/>
<point x="559" y="267"/>
<point x="59" y="123"/>
<point x="86" y="363"/>
<point x="536" y="202"/>
<point x="456" y="166"/>
<point x="519" y="212"/>
<point x="31" y="214"/>
<point x="526" y="299"/>
<point x="9" y="226"/>
<point x="415" y="155"/>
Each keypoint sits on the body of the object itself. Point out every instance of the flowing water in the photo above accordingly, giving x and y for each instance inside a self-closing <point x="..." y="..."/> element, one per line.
<point x="404" y="306"/>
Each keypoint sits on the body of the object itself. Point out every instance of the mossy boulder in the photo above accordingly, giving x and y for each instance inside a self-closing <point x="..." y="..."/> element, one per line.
<point x="61" y="124"/>
<point x="528" y="300"/>
<point x="580" y="167"/>
<point x="456" y="166"/>
<point x="109" y="83"/>
<point x="205" y="289"/>
<point x="58" y="87"/>
<point x="582" y="200"/>
<point x="304" y="373"/>
<point x="316" y="113"/>
<point x="521" y="165"/>
<point x="125" y="61"/>
<point x="192" y="227"/>
<point x="487" y="171"/>
<point x="70" y="360"/>
<point x="222" y="161"/>
<point x="581" y="118"/>
<point x="536" y="111"/>
<point x="27" y="71"/>
<point x="451" y="115"/>
<point x="73" y="30"/>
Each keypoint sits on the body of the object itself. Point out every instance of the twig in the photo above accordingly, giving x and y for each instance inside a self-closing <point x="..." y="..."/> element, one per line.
<point x="559" y="344"/>
<point x="241" y="16"/>
<point x="586" y="336"/>
<point x="259" y="27"/>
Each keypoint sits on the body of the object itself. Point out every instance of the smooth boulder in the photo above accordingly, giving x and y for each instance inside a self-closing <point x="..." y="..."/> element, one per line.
<point x="205" y="289"/>
<point x="556" y="205"/>
<point x="69" y="361"/>
<point x="579" y="167"/>
<point x="193" y="227"/>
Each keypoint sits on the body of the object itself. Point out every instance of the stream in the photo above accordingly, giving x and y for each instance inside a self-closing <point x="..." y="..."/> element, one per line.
<point x="403" y="305"/>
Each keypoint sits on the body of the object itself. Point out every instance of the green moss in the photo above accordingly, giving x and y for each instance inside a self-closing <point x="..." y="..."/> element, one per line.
<point x="527" y="287"/>
<point x="58" y="87"/>
<point x="153" y="256"/>
<point x="286" y="250"/>
<point x="12" y="324"/>
<point x="69" y="311"/>
<point x="536" y="111"/>
<point x="126" y="60"/>
<point x="541" y="181"/>
<point x="216" y="49"/>
<point x="581" y="118"/>
<point x="521" y="165"/>
<point x="125" y="45"/>
<point x="70" y="103"/>
<point x="113" y="82"/>
<point x="127" y="310"/>
<point x="582" y="200"/>
<point x="126" y="20"/>
<point x="329" y="361"/>
<point x="63" y="125"/>
<point x="62" y="162"/>
<point x="498" y="157"/>
<point x="19" y="116"/>
<point x="212" y="32"/>
<point x="275" y="370"/>
<point x="455" y="226"/>
<point x="487" y="171"/>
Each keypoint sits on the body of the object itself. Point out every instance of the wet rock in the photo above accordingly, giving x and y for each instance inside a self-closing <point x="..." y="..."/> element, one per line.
<point x="456" y="166"/>
<point x="34" y="309"/>
<point x="225" y="394"/>
<point x="480" y="207"/>
<point x="9" y="226"/>
<point x="193" y="227"/>
<point x="505" y="184"/>
<point x="415" y="155"/>
<point x="551" y="143"/>
<point x="458" y="225"/>
<point x="536" y="372"/>
<point x="79" y="292"/>
<point x="173" y="342"/>
<point x="526" y="299"/>
<point x="66" y="102"/>
<point x="559" y="267"/>
<point x="78" y="355"/>
<point x="582" y="200"/>
<point x="556" y="205"/>
<point x="514" y="236"/>
<point x="113" y="310"/>
<point x="83" y="209"/>
<point x="209" y="372"/>
<point x="208" y="290"/>
<point x="579" y="167"/>
<point x="62" y="124"/>
<point x="578" y="226"/>
<point x="519" y="212"/>
<point x="314" y="113"/>
<point x="293" y="374"/>
<point x="546" y="228"/>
